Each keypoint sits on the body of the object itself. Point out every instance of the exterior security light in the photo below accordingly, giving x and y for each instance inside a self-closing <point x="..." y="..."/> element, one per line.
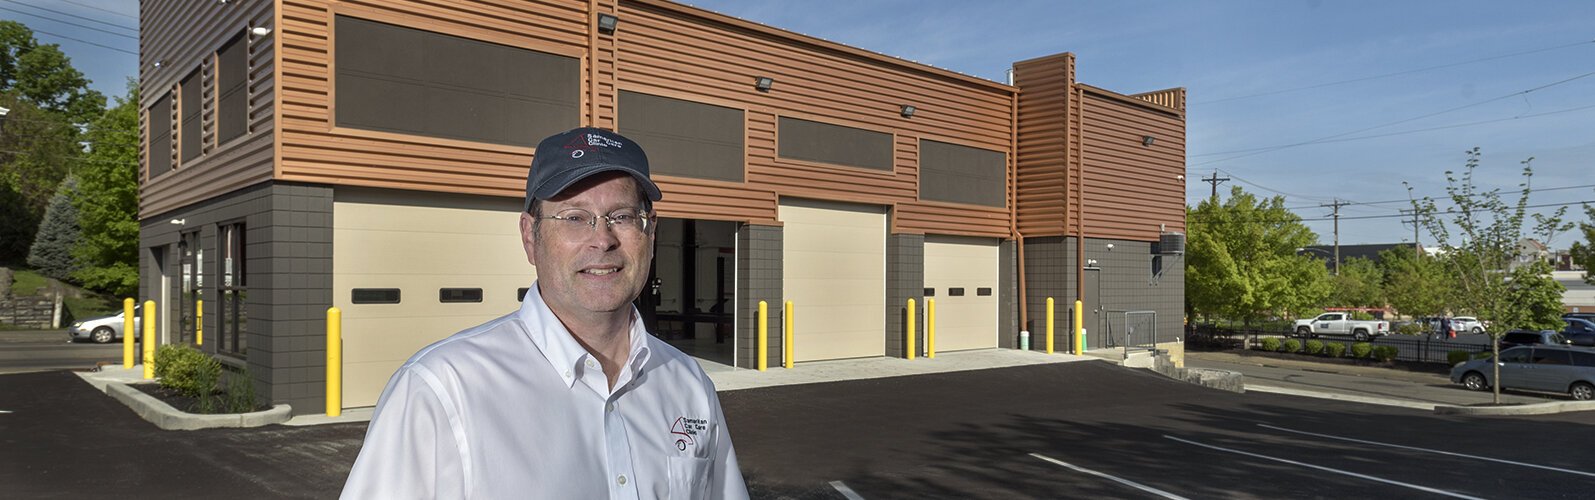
<point x="1146" y="140"/>
<point x="260" y="31"/>
<point x="908" y="111"/>
<point x="764" y="83"/>
<point x="179" y="221"/>
<point x="607" y="23"/>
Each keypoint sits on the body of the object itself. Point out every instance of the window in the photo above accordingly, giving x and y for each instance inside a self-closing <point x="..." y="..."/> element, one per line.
<point x="232" y="81"/>
<point x="160" y="133"/>
<point x="1516" y="356"/>
<point x="192" y="255"/>
<point x="374" y="296"/>
<point x="233" y="315"/>
<point x="962" y="174"/>
<point x="396" y="79"/>
<point x="190" y="102"/>
<point x="983" y="292"/>
<point x="955" y="292"/>
<point x="1552" y="357"/>
<point x="449" y="295"/>
<point x="1584" y="358"/>
<point x="825" y="143"/>
<point x="685" y="138"/>
<point x="1329" y="317"/>
<point x="930" y="292"/>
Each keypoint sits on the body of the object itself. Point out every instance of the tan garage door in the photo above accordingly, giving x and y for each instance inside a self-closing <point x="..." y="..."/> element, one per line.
<point x="964" y="273"/>
<point x="834" y="270"/>
<point x="419" y="250"/>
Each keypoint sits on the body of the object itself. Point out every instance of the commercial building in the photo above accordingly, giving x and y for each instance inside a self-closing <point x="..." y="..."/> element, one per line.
<point x="304" y="154"/>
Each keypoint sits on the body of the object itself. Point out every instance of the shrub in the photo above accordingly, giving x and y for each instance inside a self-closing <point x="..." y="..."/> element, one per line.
<point x="1335" y="349"/>
<point x="1291" y="346"/>
<point x="1270" y="344"/>
<point x="1361" y="350"/>
<point x="186" y="370"/>
<point x="1361" y="316"/>
<point x="240" y="393"/>
<point x="1454" y="357"/>
<point x="1385" y="353"/>
<point x="1315" y="347"/>
<point x="1410" y="329"/>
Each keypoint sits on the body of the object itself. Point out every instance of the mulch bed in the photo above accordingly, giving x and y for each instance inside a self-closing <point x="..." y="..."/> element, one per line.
<point x="184" y="403"/>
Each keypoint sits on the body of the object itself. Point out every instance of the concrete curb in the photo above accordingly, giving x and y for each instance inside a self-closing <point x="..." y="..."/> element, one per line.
<point x="1528" y="409"/>
<point x="168" y="418"/>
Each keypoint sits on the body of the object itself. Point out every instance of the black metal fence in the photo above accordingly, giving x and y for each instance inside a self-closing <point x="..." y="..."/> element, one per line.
<point x="1416" y="348"/>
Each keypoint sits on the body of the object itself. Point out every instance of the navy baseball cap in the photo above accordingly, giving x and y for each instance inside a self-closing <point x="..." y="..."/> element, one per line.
<point x="567" y="157"/>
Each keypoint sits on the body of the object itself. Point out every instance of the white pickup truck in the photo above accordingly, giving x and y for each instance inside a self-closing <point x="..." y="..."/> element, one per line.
<point x="1339" y="323"/>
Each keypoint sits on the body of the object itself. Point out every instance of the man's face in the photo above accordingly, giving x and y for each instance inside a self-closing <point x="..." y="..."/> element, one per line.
<point x="589" y="271"/>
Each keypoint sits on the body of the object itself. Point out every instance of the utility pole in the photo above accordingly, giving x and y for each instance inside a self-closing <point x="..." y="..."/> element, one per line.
<point x="1215" y="180"/>
<point x="1417" y="249"/>
<point x="1336" y="207"/>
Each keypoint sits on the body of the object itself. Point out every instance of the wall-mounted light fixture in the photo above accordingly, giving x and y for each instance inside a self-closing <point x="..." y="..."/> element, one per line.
<point x="908" y="111"/>
<point x="1146" y="140"/>
<point x="764" y="83"/>
<point x="158" y="64"/>
<point x="607" y="23"/>
<point x="260" y="31"/>
<point x="1110" y="247"/>
<point x="1090" y="263"/>
<point x="179" y="221"/>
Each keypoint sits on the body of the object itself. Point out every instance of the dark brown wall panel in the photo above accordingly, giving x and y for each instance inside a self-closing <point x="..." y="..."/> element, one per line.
<point x="183" y="36"/>
<point x="1043" y="144"/>
<point x="1129" y="188"/>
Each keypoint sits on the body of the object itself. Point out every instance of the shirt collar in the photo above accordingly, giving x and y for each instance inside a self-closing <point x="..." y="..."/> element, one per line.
<point x="560" y="348"/>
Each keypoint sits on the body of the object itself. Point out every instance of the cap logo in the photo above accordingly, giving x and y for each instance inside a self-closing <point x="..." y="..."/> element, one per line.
<point x="601" y="141"/>
<point x="578" y="153"/>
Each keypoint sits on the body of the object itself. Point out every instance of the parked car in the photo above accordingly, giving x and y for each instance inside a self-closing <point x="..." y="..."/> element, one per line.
<point x="1467" y="324"/>
<point x="1339" y="323"/>
<point x="1588" y="316"/>
<point x="1579" y="331"/>
<point x="1549" y="368"/>
<point x="104" y="330"/>
<point x="1516" y="338"/>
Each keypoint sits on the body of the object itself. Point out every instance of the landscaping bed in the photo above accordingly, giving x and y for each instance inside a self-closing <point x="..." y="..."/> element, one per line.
<point x="187" y="404"/>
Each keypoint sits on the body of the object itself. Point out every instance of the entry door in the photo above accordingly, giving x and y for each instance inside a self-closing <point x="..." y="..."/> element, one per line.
<point x="1096" y="320"/>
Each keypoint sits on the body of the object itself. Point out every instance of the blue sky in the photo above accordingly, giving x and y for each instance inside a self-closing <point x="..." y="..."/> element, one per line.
<point x="1422" y="75"/>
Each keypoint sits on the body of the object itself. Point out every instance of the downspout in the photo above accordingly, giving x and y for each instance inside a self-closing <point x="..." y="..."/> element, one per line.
<point x="1013" y="204"/>
<point x="592" y="62"/>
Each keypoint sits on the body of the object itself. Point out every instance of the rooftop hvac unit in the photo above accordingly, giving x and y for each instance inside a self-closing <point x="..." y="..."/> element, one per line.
<point x="1171" y="243"/>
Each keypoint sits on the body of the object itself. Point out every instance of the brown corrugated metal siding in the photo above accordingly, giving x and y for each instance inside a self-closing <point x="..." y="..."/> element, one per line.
<point x="1130" y="190"/>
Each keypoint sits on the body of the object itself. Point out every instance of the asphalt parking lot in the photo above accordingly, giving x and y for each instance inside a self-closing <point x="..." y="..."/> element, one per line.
<point x="1069" y="430"/>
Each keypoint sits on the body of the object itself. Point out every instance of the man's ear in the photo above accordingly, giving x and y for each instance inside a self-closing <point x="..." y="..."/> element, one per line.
<point x="529" y="238"/>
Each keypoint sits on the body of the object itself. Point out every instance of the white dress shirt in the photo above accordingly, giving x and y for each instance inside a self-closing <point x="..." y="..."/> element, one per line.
<point x="516" y="408"/>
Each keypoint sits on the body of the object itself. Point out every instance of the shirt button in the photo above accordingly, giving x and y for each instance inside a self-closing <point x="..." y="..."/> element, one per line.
<point x="567" y="373"/>
<point x="621" y="480"/>
<point x="609" y="407"/>
<point x="592" y="364"/>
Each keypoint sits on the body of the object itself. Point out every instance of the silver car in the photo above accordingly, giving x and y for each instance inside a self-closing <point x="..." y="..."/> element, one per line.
<point x="1548" y="368"/>
<point x="1467" y="324"/>
<point x="106" y="329"/>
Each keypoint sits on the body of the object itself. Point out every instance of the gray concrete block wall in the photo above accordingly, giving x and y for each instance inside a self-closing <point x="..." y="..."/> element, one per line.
<point x="1007" y="295"/>
<point x="1129" y="284"/>
<point x="759" y="261"/>
<point x="1049" y="272"/>
<point x="905" y="279"/>
<point x="288" y="269"/>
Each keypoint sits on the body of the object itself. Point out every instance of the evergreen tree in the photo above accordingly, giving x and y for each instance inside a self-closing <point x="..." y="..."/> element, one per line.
<point x="58" y="234"/>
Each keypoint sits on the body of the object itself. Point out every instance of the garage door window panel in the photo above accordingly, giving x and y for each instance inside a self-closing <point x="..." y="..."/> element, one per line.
<point x="404" y="80"/>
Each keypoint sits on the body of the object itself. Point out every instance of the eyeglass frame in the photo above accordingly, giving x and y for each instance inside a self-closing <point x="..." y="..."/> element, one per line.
<point x="643" y="214"/>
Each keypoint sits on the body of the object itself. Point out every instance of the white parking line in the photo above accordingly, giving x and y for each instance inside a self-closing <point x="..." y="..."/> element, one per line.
<point x="1125" y="482"/>
<point x="1326" y="469"/>
<point x="845" y="491"/>
<point x="1475" y="457"/>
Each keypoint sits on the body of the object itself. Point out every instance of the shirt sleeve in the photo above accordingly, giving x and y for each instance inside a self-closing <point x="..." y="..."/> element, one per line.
<point x="725" y="481"/>
<point x="412" y="447"/>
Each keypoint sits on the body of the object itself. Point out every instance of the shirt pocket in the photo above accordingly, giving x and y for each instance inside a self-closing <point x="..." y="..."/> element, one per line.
<point x="689" y="477"/>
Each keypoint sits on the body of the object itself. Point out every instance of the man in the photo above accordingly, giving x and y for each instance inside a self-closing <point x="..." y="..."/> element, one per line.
<point x="569" y="397"/>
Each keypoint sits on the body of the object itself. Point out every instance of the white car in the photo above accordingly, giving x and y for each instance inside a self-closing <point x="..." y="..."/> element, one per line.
<point x="105" y="330"/>
<point x="1467" y="324"/>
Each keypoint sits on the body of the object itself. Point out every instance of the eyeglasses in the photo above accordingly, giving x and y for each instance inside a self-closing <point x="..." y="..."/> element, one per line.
<point x="627" y="221"/>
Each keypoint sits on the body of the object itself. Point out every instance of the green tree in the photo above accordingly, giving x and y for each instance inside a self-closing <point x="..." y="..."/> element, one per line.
<point x="44" y="76"/>
<point x="1359" y="284"/>
<point x="1413" y="284"/>
<point x="1241" y="262"/>
<point x="35" y="148"/>
<point x="1479" y="266"/>
<point x="108" y="200"/>
<point x="1584" y="254"/>
<point x="58" y="234"/>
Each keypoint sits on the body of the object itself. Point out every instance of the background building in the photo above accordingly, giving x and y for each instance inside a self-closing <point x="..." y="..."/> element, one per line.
<point x="302" y="154"/>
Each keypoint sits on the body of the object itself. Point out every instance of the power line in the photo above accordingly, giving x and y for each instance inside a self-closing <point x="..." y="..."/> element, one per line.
<point x="1415" y="131"/>
<point x="125" y="51"/>
<point x="1391" y="216"/>
<point x="48" y="18"/>
<point x="1398" y="73"/>
<point x="1557" y="188"/>
<point x="1258" y="151"/>
<point x="69" y="14"/>
<point x="98" y="8"/>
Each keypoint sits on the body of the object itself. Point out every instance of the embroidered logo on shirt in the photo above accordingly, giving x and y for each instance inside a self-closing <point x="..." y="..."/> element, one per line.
<point x="686" y="431"/>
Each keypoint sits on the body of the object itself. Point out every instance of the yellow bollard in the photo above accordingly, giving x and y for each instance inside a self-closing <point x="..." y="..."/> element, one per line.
<point x="911" y="331"/>
<point x="786" y="347"/>
<point x="930" y="328"/>
<point x="334" y="362"/>
<point x="149" y="339"/>
<point x="128" y="331"/>
<point x="764" y="330"/>
<point x="199" y="322"/>
<point x="1049" y="325"/>
<point x="1079" y="327"/>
